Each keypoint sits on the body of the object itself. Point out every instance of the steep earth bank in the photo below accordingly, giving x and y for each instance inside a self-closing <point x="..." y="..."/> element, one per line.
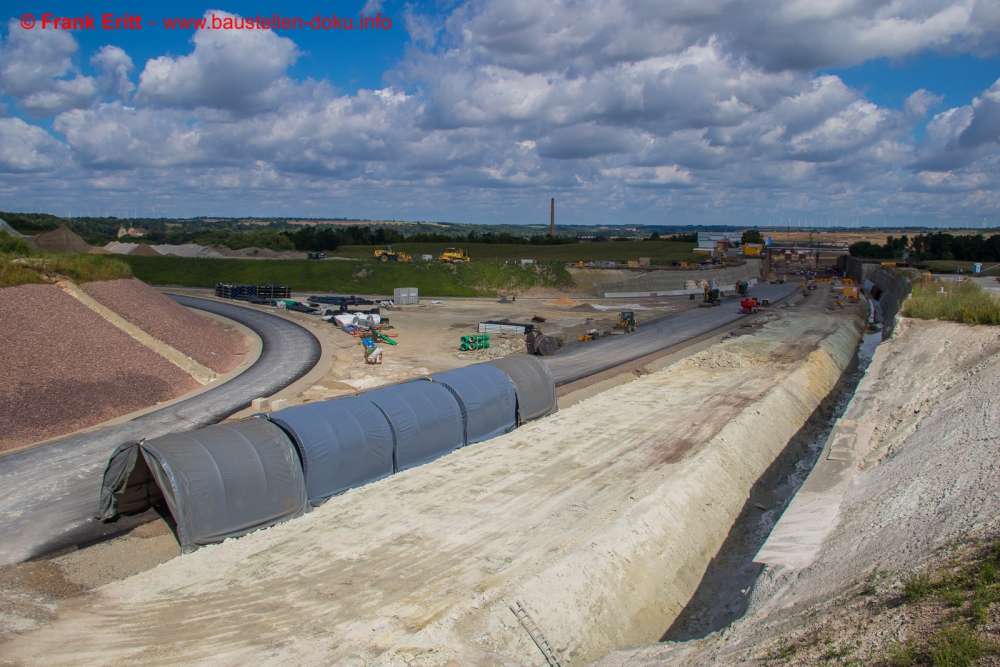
<point x="925" y="484"/>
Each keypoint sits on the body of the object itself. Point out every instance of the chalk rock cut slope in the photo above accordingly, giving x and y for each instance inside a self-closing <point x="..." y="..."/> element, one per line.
<point x="64" y="367"/>
<point x="600" y="519"/>
<point x="930" y="478"/>
<point x="195" y="335"/>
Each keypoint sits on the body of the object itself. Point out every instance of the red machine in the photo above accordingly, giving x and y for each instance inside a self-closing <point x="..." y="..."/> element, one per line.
<point x="748" y="305"/>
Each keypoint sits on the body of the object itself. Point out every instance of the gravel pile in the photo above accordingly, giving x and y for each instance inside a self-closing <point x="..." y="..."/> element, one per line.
<point x="197" y="336"/>
<point x="63" y="367"/>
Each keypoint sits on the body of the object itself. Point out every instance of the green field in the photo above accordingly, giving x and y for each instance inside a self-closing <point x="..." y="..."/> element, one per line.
<point x="660" y="252"/>
<point x="369" y="277"/>
<point x="964" y="267"/>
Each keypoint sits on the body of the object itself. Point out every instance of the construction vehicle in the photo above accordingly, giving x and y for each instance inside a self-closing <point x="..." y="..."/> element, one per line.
<point x="713" y="296"/>
<point x="389" y="254"/>
<point x="626" y="323"/>
<point x="452" y="255"/>
<point x="592" y="334"/>
<point x="748" y="306"/>
<point x="742" y="288"/>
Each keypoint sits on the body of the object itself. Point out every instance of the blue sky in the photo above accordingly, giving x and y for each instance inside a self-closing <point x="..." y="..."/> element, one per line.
<point x="687" y="112"/>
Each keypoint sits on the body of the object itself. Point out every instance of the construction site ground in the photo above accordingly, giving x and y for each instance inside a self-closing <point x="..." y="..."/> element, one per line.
<point x="428" y="336"/>
<point x="600" y="519"/>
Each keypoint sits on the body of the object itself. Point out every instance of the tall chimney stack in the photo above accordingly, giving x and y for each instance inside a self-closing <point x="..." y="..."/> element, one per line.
<point x="552" y="218"/>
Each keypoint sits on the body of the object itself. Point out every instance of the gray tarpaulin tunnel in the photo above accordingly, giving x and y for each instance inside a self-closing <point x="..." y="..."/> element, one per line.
<point x="486" y="398"/>
<point x="533" y="382"/>
<point x="425" y="419"/>
<point x="343" y="443"/>
<point x="220" y="481"/>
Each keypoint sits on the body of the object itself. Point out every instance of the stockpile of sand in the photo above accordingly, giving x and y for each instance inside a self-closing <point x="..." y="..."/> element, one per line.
<point x="59" y="240"/>
<point x="563" y="302"/>
<point x="197" y="336"/>
<point x="144" y="250"/>
<point x="63" y="367"/>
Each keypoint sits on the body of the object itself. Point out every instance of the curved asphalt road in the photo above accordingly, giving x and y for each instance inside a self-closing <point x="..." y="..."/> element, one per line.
<point x="581" y="360"/>
<point x="49" y="495"/>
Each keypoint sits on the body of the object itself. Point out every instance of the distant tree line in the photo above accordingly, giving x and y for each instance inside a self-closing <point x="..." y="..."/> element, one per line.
<point x="933" y="246"/>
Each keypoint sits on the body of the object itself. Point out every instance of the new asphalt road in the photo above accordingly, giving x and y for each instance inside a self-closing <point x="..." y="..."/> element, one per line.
<point x="579" y="361"/>
<point x="49" y="495"/>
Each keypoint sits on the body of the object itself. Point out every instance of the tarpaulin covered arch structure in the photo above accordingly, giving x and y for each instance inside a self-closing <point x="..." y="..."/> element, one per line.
<point x="486" y="398"/>
<point x="425" y="419"/>
<point x="533" y="383"/>
<point x="220" y="481"/>
<point x="343" y="443"/>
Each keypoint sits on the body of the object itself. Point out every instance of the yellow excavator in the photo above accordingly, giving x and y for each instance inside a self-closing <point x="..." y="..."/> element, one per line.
<point x="389" y="254"/>
<point x="453" y="255"/>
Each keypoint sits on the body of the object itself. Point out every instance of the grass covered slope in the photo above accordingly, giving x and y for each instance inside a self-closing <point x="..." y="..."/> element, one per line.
<point x="962" y="301"/>
<point x="20" y="265"/>
<point x="432" y="278"/>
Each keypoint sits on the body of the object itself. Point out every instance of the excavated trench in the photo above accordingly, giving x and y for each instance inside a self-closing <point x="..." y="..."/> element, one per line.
<point x="725" y="588"/>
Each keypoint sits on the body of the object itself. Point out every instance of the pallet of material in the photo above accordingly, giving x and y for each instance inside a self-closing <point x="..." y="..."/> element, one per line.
<point x="237" y="290"/>
<point x="505" y="328"/>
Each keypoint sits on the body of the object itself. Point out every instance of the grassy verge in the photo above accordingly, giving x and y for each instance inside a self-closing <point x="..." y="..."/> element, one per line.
<point x="657" y="251"/>
<point x="431" y="278"/>
<point x="959" y="302"/>
<point x="20" y="265"/>
<point x="945" y="616"/>
<point x="965" y="267"/>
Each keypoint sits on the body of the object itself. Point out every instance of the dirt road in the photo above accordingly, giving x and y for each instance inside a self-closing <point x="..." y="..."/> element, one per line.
<point x="600" y="519"/>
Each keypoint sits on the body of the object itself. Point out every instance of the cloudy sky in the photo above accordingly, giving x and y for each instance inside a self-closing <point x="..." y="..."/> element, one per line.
<point x="645" y="111"/>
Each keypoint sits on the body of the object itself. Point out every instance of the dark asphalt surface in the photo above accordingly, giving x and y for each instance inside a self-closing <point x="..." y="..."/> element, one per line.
<point x="580" y="360"/>
<point x="49" y="495"/>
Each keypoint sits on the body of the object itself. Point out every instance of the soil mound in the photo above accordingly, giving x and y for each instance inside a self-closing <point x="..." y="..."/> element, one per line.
<point x="145" y="250"/>
<point x="60" y="240"/>
<point x="195" y="335"/>
<point x="584" y="307"/>
<point x="63" y="367"/>
<point x="563" y="302"/>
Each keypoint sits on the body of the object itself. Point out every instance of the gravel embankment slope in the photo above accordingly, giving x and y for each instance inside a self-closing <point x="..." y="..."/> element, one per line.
<point x="929" y="479"/>
<point x="195" y="335"/>
<point x="63" y="367"/>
